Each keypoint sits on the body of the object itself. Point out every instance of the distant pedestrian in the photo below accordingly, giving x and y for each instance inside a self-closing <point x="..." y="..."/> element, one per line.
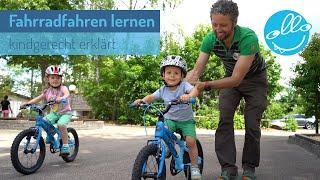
<point x="5" y="107"/>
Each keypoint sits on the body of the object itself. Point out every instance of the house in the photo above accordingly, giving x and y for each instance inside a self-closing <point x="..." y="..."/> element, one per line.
<point x="79" y="105"/>
<point x="15" y="102"/>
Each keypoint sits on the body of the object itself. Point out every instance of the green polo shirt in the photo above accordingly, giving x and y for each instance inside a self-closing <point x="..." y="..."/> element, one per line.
<point x="245" y="42"/>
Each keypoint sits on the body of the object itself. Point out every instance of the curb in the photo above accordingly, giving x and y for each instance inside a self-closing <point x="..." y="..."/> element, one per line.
<point x="24" y="124"/>
<point x="306" y="142"/>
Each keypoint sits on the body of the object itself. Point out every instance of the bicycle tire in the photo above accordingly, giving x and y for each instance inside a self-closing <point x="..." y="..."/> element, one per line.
<point x="72" y="157"/>
<point x="15" y="152"/>
<point x="149" y="150"/>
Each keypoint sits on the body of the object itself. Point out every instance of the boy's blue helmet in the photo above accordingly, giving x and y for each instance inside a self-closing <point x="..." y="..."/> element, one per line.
<point x="173" y="60"/>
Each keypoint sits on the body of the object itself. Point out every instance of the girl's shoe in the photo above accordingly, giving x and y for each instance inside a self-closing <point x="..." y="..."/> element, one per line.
<point x="65" y="150"/>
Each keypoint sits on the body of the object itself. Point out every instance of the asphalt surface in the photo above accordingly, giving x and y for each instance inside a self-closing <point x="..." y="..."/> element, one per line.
<point x="109" y="154"/>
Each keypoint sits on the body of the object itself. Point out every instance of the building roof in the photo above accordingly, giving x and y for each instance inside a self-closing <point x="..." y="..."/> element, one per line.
<point x="18" y="95"/>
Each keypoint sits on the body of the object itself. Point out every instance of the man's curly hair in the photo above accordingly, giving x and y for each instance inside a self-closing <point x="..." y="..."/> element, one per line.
<point x="226" y="7"/>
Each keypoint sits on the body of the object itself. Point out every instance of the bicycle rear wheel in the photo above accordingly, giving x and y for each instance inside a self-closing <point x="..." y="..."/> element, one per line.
<point x="186" y="160"/>
<point x="146" y="165"/>
<point x="23" y="159"/>
<point x="73" y="141"/>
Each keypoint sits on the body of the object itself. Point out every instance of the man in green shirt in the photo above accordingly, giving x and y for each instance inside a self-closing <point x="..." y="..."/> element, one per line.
<point x="245" y="77"/>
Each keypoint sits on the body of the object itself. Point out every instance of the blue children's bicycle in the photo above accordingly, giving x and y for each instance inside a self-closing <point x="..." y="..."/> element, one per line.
<point x="28" y="149"/>
<point x="150" y="162"/>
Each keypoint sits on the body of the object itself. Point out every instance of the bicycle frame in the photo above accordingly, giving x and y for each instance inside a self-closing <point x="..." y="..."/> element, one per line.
<point x="40" y="124"/>
<point x="164" y="135"/>
<point x="49" y="129"/>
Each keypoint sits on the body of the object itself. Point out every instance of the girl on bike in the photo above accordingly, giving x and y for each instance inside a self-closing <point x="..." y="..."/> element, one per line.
<point x="60" y="112"/>
<point x="173" y="69"/>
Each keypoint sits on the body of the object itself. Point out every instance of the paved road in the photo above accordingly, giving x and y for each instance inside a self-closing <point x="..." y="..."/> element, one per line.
<point x="109" y="154"/>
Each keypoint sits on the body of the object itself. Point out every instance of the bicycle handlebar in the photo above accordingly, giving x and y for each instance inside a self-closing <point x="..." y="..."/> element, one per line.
<point x="159" y="112"/>
<point x="40" y="108"/>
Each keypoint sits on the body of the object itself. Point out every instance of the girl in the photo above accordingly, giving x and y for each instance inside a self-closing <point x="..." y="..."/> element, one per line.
<point x="60" y="112"/>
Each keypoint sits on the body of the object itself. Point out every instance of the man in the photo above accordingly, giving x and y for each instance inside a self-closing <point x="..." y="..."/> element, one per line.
<point x="245" y="77"/>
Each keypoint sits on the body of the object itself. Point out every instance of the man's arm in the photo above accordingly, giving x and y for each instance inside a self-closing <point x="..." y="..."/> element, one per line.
<point x="198" y="68"/>
<point x="240" y="70"/>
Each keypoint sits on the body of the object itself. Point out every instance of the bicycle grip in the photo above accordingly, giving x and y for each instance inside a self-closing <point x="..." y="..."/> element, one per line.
<point x="192" y="100"/>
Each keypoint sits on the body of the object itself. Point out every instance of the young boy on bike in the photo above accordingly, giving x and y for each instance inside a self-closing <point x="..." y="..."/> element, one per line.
<point x="60" y="112"/>
<point x="173" y="69"/>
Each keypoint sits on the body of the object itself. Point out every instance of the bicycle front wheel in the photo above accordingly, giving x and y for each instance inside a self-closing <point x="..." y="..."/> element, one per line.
<point x="23" y="158"/>
<point x="147" y="163"/>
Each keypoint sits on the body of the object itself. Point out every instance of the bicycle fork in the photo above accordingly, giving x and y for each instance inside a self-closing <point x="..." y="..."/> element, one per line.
<point x="34" y="146"/>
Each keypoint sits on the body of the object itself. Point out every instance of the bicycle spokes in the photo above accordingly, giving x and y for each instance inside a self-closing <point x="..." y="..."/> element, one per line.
<point x="150" y="167"/>
<point x="27" y="155"/>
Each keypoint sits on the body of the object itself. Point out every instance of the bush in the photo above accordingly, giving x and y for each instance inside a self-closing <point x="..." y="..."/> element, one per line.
<point x="291" y="125"/>
<point x="265" y="123"/>
<point x="150" y="120"/>
<point x="208" y="122"/>
<point x="238" y="121"/>
<point x="274" y="110"/>
<point x="207" y="116"/>
<point x="26" y="113"/>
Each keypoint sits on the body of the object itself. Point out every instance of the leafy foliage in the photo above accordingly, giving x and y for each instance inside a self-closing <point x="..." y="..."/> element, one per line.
<point x="291" y="125"/>
<point x="307" y="80"/>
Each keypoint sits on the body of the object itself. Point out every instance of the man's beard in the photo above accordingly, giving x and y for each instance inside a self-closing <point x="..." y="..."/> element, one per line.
<point x="222" y="37"/>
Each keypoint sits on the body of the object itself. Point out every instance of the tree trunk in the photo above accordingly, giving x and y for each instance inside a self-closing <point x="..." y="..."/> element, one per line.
<point x="43" y="66"/>
<point x="31" y="85"/>
<point x="317" y="115"/>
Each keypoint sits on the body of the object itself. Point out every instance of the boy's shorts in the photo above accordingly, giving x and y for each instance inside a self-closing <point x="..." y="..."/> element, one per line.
<point x="188" y="128"/>
<point x="60" y="119"/>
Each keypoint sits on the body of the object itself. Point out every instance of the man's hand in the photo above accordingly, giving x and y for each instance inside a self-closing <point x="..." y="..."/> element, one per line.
<point x="200" y="86"/>
<point x="203" y="86"/>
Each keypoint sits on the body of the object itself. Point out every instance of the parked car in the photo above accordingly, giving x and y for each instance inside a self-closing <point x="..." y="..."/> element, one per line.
<point x="302" y="120"/>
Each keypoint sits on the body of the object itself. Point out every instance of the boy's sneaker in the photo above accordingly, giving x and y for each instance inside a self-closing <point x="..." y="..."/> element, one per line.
<point x="195" y="173"/>
<point x="65" y="150"/>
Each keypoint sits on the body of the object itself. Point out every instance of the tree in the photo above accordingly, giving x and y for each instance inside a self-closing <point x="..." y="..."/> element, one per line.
<point x="143" y="4"/>
<point x="37" y="62"/>
<point x="307" y="80"/>
<point x="6" y="84"/>
<point x="273" y="73"/>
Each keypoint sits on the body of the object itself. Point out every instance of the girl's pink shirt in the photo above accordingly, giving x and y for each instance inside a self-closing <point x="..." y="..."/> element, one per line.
<point x="52" y="93"/>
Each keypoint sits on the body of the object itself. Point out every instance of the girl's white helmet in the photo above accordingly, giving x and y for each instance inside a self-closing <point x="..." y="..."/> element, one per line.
<point x="176" y="61"/>
<point x="54" y="70"/>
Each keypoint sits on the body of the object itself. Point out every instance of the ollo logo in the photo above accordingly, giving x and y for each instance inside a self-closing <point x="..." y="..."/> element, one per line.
<point x="287" y="32"/>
